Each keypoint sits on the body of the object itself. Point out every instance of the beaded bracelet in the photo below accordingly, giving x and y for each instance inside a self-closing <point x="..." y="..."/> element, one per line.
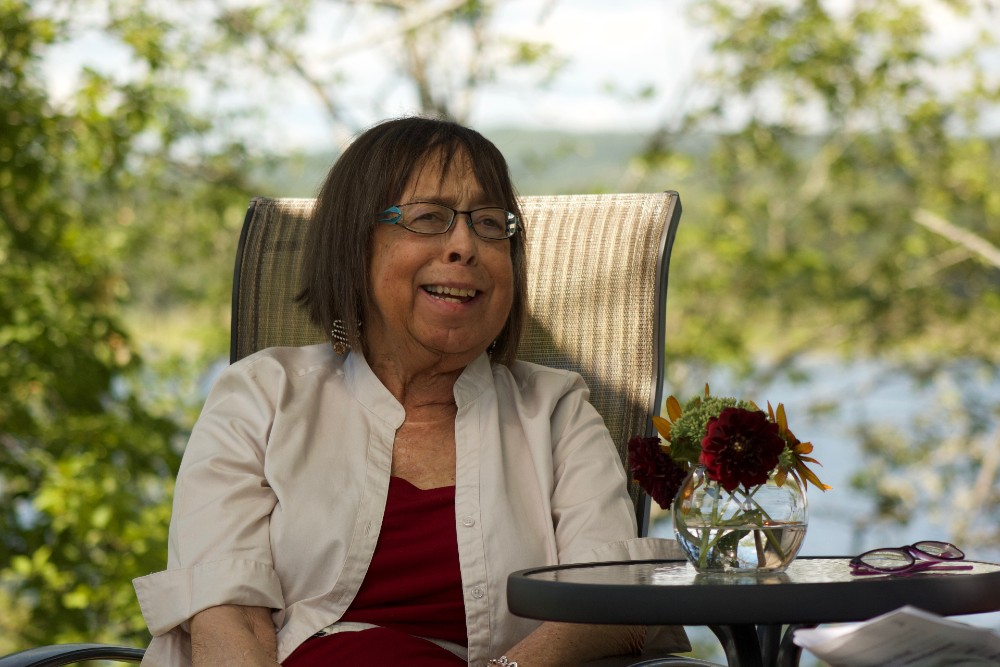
<point x="502" y="661"/>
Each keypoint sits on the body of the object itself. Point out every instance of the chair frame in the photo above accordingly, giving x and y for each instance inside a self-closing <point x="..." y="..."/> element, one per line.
<point x="69" y="654"/>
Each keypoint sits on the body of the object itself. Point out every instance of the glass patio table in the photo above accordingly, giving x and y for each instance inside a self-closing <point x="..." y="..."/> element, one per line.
<point x="746" y="612"/>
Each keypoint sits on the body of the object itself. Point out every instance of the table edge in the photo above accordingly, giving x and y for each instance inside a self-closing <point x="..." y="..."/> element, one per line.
<point x="643" y="604"/>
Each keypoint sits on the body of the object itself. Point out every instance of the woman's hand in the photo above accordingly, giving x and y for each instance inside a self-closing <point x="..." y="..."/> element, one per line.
<point x="569" y="644"/>
<point x="233" y="635"/>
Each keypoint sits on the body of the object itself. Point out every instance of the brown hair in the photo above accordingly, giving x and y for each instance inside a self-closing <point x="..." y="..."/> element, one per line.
<point x="368" y="178"/>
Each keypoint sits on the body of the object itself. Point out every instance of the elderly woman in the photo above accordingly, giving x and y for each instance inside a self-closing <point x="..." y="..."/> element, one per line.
<point x="363" y="502"/>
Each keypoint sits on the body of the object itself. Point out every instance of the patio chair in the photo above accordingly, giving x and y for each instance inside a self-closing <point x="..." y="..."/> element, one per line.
<point x="597" y="285"/>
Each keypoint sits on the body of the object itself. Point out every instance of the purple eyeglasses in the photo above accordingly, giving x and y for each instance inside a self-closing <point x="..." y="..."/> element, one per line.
<point x="912" y="558"/>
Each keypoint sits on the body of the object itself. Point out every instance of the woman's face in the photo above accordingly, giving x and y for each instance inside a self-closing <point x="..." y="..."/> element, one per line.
<point x="445" y="294"/>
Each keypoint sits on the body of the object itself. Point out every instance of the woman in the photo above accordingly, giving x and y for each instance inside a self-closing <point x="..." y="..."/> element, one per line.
<point x="363" y="503"/>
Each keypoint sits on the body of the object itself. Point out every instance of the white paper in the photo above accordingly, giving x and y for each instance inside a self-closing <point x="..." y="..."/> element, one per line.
<point x="907" y="637"/>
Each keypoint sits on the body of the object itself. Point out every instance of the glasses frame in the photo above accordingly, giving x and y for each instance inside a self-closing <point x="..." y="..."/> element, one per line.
<point x="394" y="216"/>
<point x="915" y="559"/>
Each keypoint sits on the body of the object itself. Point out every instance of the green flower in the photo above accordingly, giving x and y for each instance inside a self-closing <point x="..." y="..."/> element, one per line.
<point x="688" y="427"/>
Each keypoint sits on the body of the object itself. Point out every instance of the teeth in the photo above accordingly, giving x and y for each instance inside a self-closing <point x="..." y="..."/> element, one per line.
<point x="451" y="291"/>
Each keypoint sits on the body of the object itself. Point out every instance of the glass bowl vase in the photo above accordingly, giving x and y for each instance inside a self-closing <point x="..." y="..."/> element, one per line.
<point x="746" y="530"/>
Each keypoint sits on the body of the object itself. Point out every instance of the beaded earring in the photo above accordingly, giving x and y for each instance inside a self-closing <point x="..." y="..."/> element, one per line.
<point x="338" y="338"/>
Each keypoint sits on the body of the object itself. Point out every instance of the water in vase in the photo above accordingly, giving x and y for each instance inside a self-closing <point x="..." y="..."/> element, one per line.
<point x="768" y="548"/>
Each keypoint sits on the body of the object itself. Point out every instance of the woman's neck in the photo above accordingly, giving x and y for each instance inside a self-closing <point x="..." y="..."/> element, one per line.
<point x="424" y="388"/>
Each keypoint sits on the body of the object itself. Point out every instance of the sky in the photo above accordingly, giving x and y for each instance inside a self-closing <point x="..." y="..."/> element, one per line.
<point x="625" y="44"/>
<point x="622" y="45"/>
<point x="608" y="45"/>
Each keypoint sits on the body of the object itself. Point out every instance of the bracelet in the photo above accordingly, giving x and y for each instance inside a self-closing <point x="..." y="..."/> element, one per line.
<point x="502" y="661"/>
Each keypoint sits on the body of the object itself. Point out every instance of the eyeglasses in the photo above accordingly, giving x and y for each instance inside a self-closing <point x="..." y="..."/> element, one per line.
<point x="904" y="560"/>
<point x="493" y="224"/>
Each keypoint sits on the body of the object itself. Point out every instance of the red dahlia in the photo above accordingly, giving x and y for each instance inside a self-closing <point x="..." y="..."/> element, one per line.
<point x="654" y="470"/>
<point x="741" y="447"/>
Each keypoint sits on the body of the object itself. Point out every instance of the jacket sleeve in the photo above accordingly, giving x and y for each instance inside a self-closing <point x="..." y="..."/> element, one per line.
<point x="593" y="514"/>
<point x="219" y="544"/>
<point x="590" y="503"/>
<point x="592" y="511"/>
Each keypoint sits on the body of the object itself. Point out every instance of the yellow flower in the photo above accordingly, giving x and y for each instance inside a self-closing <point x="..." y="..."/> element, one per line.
<point x="794" y="460"/>
<point x="665" y="426"/>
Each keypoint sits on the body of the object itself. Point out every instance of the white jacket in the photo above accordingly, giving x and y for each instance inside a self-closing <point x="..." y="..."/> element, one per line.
<point x="281" y="491"/>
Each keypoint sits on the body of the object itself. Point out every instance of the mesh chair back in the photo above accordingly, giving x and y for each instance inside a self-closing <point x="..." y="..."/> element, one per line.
<point x="597" y="285"/>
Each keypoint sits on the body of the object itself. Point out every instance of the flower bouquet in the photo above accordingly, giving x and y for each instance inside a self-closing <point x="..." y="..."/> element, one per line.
<point x="735" y="477"/>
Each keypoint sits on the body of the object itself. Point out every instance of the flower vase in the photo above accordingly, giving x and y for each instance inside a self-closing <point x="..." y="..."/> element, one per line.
<point x="746" y="530"/>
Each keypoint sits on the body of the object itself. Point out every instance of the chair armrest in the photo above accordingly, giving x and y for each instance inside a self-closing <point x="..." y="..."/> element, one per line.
<point x="68" y="654"/>
<point x="650" y="661"/>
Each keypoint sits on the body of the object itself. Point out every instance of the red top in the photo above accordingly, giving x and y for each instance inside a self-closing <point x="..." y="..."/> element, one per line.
<point x="414" y="583"/>
<point x="413" y="588"/>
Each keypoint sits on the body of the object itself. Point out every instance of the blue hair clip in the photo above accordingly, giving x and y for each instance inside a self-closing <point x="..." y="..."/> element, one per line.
<point x="390" y="216"/>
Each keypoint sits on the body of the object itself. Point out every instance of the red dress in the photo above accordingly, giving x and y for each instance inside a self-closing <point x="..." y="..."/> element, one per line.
<point x="413" y="588"/>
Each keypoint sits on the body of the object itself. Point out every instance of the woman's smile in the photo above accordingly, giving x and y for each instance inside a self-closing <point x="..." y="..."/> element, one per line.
<point x="450" y="294"/>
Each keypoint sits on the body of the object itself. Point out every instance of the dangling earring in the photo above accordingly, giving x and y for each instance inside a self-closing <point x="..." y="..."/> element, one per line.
<point x="338" y="338"/>
<point x="491" y="348"/>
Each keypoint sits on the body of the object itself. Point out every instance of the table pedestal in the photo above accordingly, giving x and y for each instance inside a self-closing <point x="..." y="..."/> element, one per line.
<point x="759" y="645"/>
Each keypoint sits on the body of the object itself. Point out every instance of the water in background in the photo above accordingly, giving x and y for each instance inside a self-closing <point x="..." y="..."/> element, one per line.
<point x="865" y="392"/>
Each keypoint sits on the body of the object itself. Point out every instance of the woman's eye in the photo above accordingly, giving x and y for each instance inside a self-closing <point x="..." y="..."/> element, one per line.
<point x="490" y="221"/>
<point x="430" y="215"/>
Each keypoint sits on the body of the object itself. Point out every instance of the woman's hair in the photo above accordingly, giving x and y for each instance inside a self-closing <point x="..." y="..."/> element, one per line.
<point x="370" y="177"/>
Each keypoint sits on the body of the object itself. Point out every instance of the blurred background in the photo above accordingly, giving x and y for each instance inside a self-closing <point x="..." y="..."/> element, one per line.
<point x="838" y="163"/>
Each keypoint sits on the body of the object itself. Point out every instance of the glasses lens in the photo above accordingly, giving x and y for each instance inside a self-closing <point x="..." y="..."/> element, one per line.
<point x="427" y="218"/>
<point x="887" y="560"/>
<point x="493" y="223"/>
<point x="942" y="550"/>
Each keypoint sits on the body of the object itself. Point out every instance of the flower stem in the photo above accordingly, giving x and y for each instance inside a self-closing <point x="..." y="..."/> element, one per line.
<point x="768" y="534"/>
<point x="707" y="539"/>
<point x="761" y="559"/>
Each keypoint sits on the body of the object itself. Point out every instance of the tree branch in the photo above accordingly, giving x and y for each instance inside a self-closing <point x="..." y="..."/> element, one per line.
<point x="409" y="21"/>
<point x="982" y="488"/>
<point x="963" y="237"/>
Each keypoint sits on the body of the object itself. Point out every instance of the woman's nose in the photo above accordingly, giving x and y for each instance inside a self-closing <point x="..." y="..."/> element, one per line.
<point x="461" y="242"/>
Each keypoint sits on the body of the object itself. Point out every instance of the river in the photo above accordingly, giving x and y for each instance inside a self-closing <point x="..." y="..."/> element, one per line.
<point x="862" y="392"/>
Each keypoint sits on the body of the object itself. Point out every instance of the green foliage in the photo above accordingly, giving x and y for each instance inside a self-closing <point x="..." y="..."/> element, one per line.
<point x="81" y="465"/>
<point x="87" y="452"/>
<point x="846" y="206"/>
<point x="845" y="135"/>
